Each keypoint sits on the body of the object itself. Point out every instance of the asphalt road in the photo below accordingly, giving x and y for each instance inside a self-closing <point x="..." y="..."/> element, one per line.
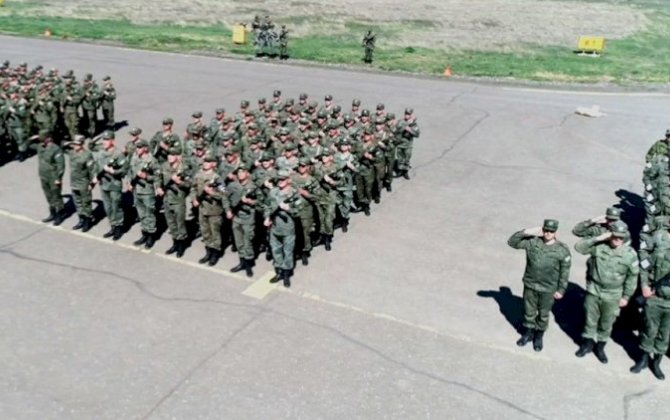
<point x="412" y="314"/>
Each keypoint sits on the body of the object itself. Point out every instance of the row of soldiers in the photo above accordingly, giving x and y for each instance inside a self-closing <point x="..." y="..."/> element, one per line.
<point x="615" y="269"/>
<point x="267" y="41"/>
<point x="276" y="178"/>
<point x="32" y="100"/>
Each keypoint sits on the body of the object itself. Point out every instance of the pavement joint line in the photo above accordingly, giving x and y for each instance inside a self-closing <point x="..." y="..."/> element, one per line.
<point x="589" y="93"/>
<point x="313" y="297"/>
<point x="26" y="219"/>
<point x="261" y="287"/>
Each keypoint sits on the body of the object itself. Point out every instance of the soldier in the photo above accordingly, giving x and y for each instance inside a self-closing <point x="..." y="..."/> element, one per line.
<point x="163" y="140"/>
<point x="83" y="171"/>
<point x="240" y="203"/>
<point x="368" y="45"/>
<point x="72" y="97"/>
<point x="197" y="128"/>
<point x="408" y="131"/>
<point x="89" y="104"/>
<point x="175" y="185"/>
<point x="598" y="225"/>
<point x="16" y="112"/>
<point x="282" y="204"/>
<point x="544" y="280"/>
<point x="655" y="285"/>
<point x="51" y="167"/>
<point x="107" y="98"/>
<point x="390" y="151"/>
<point x="112" y="167"/>
<point x="660" y="147"/>
<point x="327" y="196"/>
<point x="207" y="189"/>
<point x="144" y="181"/>
<point x="610" y="282"/>
<point x="283" y="43"/>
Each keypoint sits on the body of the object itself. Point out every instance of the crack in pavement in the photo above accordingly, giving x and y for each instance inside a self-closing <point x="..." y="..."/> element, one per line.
<point x="630" y="397"/>
<point x="138" y="284"/>
<point x="24" y="238"/>
<point x="563" y="121"/>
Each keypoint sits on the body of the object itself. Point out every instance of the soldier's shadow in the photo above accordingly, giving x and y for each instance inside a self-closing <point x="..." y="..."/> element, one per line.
<point x="632" y="213"/>
<point x="98" y="212"/>
<point x="510" y="306"/>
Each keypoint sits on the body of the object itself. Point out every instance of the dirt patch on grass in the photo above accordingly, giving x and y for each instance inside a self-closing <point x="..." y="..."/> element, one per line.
<point x="487" y="25"/>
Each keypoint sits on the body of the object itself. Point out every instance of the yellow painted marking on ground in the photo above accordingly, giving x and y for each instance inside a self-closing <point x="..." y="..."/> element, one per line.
<point x="261" y="287"/>
<point x="143" y="250"/>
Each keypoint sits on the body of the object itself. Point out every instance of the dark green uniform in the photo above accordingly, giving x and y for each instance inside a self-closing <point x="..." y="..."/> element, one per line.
<point x="244" y="216"/>
<point x="174" y="201"/>
<point x="111" y="185"/>
<point x="83" y="171"/>
<point x="210" y="209"/>
<point x="144" y="189"/>
<point x="282" y="231"/>
<point x="51" y="167"/>
<point x="547" y="272"/>
<point x="656" y="335"/>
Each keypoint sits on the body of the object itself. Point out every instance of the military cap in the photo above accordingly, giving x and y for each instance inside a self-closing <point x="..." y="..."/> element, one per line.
<point x="303" y="96"/>
<point x="304" y="161"/>
<point x="227" y="136"/>
<point x="329" y="97"/>
<point x="265" y="156"/>
<point x="44" y="134"/>
<point x="550" y="225"/>
<point x="262" y="100"/>
<point x="380" y="120"/>
<point x="228" y="119"/>
<point x="231" y="151"/>
<point x="210" y="157"/>
<point x="136" y="131"/>
<point x="337" y="109"/>
<point x="197" y="114"/>
<point x="322" y="114"/>
<point x="333" y="125"/>
<point x="390" y="116"/>
<point x="283" y="174"/>
<point x="369" y="130"/>
<point x="106" y="78"/>
<point x="244" y="103"/>
<point x="142" y="143"/>
<point x="276" y="93"/>
<point x="284" y="131"/>
<point x="312" y="104"/>
<point x="175" y="150"/>
<point x="380" y="106"/>
<point x="109" y="134"/>
<point x="193" y="129"/>
<point x="348" y="117"/>
<point x="613" y="213"/>
<point x="220" y="110"/>
<point x="365" y="113"/>
<point x="78" y="139"/>
<point x="68" y="74"/>
<point x="291" y="146"/>
<point x="38" y="67"/>
<point x="356" y="102"/>
<point x="249" y="113"/>
<point x="326" y="152"/>
<point x="23" y="64"/>
<point x="168" y="120"/>
<point x="289" y="102"/>
<point x="667" y="132"/>
<point x="619" y="229"/>
<point x="6" y="63"/>
<point x="303" y="121"/>
<point x="88" y="77"/>
<point x="409" y="111"/>
<point x="344" y="141"/>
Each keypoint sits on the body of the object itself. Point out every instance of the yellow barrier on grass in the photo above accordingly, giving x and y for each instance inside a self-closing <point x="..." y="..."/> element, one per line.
<point x="240" y="34"/>
<point x="2" y="3"/>
<point x="591" y="44"/>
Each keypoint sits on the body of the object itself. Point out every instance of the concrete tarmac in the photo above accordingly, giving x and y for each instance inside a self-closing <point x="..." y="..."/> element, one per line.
<point x="413" y="313"/>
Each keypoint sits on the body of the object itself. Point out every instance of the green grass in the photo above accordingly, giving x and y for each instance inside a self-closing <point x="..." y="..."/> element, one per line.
<point x="641" y="58"/>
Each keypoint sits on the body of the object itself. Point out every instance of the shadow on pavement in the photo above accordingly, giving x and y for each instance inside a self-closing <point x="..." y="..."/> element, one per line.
<point x="510" y="306"/>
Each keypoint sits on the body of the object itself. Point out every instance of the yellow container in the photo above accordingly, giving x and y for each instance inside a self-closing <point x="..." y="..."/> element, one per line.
<point x="591" y="43"/>
<point x="240" y="34"/>
<point x="2" y="3"/>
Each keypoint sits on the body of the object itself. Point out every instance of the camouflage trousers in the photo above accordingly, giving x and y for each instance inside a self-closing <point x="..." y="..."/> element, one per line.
<point x="325" y="208"/>
<point x="656" y="334"/>
<point x="283" y="247"/>
<point x="404" y="155"/>
<point x="83" y="202"/>
<point x="364" y="182"/>
<point x="389" y="165"/>
<point x="111" y="200"/>
<point x="52" y="193"/>
<point x="145" y="204"/>
<point x="175" y="216"/>
<point x="600" y="316"/>
<point x="72" y="123"/>
<point x="305" y="228"/>
<point x="244" y="231"/>
<point x="18" y="136"/>
<point x="108" y="114"/>
<point x="91" y="120"/>
<point x="537" y="306"/>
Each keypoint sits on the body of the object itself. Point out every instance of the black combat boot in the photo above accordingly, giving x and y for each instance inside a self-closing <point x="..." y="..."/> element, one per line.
<point x="233" y="247"/>
<point x="642" y="363"/>
<point x="345" y="225"/>
<point x="268" y="254"/>
<point x="388" y="187"/>
<point x="21" y="156"/>
<point x="278" y="275"/>
<point x="88" y="224"/>
<point x="239" y="267"/>
<point x="208" y="255"/>
<point x="405" y="174"/>
<point x="262" y="247"/>
<point x="305" y="258"/>
<point x="656" y="367"/>
<point x="118" y="233"/>
<point x="538" y="344"/>
<point x="79" y="224"/>
<point x="109" y="233"/>
<point x="173" y="248"/>
<point x="151" y="240"/>
<point x="287" y="278"/>
<point x="599" y="351"/>
<point x="50" y="218"/>
<point x="377" y="199"/>
<point x="181" y="248"/>
<point x="585" y="348"/>
<point x="214" y="257"/>
<point x="326" y="242"/>
<point x="526" y="337"/>
<point x="142" y="240"/>
<point x="366" y="210"/>
<point x="247" y="268"/>
<point x="59" y="216"/>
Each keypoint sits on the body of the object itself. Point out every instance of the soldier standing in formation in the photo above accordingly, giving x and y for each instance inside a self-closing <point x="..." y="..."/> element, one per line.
<point x="83" y="171"/>
<point x="368" y="45"/>
<point x="51" y="168"/>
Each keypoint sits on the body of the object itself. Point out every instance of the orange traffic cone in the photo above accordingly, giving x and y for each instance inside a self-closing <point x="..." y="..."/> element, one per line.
<point x="47" y="32"/>
<point x="448" y="72"/>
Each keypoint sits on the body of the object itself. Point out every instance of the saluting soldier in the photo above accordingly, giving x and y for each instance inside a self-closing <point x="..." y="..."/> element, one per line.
<point x="611" y="280"/>
<point x="545" y="279"/>
<point x="107" y="98"/>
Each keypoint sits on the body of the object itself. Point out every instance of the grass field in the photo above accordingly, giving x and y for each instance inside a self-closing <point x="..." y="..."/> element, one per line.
<point x="520" y="39"/>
